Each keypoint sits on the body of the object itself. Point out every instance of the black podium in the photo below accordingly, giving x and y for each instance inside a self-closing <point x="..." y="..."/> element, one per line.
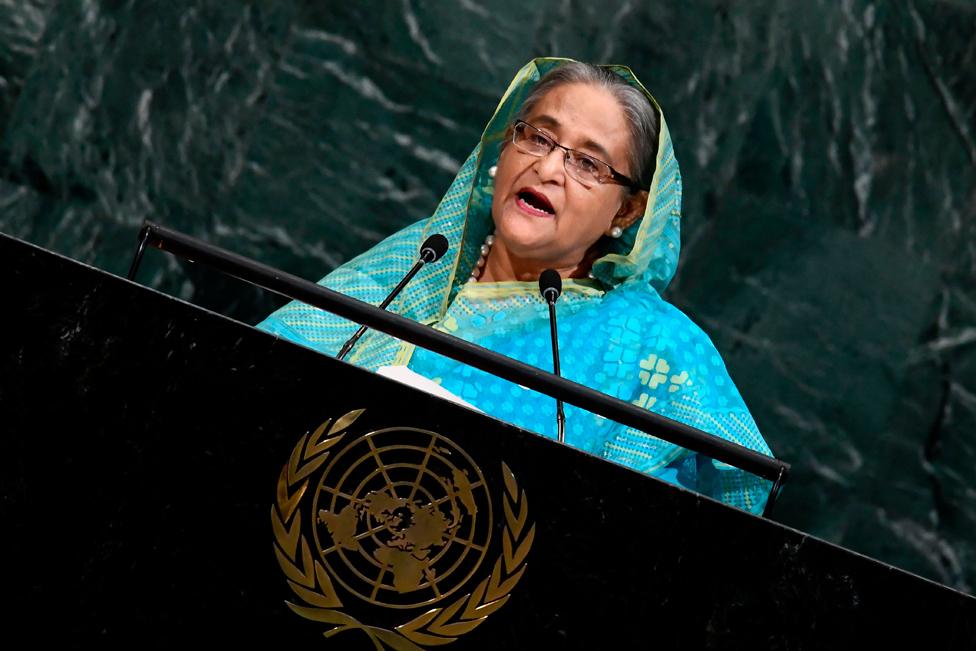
<point x="168" y="476"/>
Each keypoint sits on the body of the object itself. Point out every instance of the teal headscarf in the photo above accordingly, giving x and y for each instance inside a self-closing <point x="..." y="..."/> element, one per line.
<point x="617" y="335"/>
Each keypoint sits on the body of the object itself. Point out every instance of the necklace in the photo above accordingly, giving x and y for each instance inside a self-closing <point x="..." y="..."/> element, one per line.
<point x="479" y="266"/>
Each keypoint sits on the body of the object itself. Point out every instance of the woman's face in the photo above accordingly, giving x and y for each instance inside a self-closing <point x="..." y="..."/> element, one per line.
<point x="545" y="217"/>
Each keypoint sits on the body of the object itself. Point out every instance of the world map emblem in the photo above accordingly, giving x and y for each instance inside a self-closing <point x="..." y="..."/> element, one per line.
<point x="390" y="533"/>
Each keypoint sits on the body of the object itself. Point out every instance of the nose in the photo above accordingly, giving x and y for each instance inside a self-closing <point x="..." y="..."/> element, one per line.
<point x="551" y="167"/>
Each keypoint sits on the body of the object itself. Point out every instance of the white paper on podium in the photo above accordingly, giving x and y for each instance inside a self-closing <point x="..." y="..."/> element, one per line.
<point x="406" y="376"/>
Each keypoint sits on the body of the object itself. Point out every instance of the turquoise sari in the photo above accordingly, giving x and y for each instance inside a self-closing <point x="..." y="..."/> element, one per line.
<point x="617" y="335"/>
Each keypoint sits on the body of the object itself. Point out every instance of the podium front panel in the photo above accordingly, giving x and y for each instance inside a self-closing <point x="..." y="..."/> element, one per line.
<point x="169" y="475"/>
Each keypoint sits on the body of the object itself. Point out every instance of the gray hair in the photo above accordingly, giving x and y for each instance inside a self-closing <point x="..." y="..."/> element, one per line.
<point x="640" y="114"/>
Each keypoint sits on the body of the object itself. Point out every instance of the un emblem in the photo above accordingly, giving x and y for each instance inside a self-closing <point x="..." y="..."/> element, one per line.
<point x="398" y="534"/>
<point x="397" y="519"/>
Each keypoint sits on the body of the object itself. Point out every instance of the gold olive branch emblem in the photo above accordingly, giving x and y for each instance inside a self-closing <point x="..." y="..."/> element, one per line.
<point x="310" y="581"/>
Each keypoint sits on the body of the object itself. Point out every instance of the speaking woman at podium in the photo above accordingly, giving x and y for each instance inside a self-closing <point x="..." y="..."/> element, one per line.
<point x="575" y="172"/>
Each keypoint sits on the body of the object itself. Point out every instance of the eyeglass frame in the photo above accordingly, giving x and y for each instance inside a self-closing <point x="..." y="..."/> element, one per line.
<point x="614" y="177"/>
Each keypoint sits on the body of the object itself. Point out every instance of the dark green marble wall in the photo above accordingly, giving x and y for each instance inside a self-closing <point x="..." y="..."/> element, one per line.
<point x="828" y="149"/>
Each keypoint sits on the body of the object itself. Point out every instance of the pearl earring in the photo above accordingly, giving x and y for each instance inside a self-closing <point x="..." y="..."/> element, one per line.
<point x="492" y="171"/>
<point x="616" y="232"/>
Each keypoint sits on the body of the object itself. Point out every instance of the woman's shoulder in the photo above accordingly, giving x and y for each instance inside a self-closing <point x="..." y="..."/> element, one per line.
<point x="646" y="312"/>
<point x="377" y="267"/>
<point x="403" y="242"/>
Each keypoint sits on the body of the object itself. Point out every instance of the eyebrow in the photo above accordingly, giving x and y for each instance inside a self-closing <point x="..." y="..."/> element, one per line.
<point x="549" y="121"/>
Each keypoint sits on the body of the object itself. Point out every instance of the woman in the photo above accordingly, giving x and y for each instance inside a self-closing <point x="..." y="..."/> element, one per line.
<point x="576" y="172"/>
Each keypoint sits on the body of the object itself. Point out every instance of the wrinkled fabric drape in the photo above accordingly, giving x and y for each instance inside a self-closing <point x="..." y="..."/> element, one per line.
<point x="617" y="335"/>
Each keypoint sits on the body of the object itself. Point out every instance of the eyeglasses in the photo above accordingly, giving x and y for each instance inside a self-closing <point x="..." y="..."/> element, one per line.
<point x="582" y="167"/>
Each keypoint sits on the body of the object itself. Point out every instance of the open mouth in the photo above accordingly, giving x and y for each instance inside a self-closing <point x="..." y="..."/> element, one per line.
<point x="534" y="203"/>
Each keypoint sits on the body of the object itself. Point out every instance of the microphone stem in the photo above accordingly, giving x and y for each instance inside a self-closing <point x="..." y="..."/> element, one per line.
<point x="346" y="347"/>
<point x="560" y="416"/>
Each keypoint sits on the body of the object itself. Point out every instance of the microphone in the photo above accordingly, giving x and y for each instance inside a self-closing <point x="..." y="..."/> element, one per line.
<point x="551" y="286"/>
<point x="432" y="250"/>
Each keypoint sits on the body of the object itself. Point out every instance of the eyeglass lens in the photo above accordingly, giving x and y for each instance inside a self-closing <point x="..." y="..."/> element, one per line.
<point x="580" y="166"/>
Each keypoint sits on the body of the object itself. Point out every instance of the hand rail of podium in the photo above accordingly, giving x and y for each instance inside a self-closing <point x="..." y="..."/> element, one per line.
<point x="295" y="288"/>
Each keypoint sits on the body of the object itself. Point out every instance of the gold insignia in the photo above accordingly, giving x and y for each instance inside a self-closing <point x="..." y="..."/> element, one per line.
<point x="400" y="519"/>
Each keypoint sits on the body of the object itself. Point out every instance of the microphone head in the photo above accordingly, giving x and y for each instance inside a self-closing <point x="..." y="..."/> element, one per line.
<point x="433" y="248"/>
<point x="550" y="285"/>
